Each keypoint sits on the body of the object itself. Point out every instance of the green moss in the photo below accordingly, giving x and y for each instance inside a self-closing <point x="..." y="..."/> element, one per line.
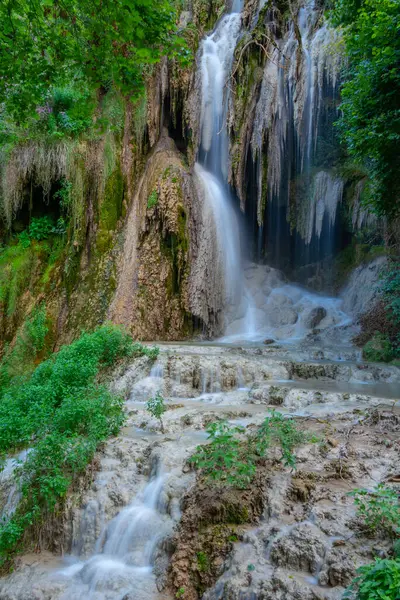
<point x="53" y="262"/>
<point x="111" y="205"/>
<point x="237" y="514"/>
<point x="183" y="242"/>
<point x="152" y="200"/>
<point x="207" y="12"/>
<point x="174" y="246"/>
<point x="203" y="562"/>
<point x="71" y="269"/>
<point x="104" y="241"/>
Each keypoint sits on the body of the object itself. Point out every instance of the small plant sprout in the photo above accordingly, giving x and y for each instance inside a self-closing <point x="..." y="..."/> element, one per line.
<point x="156" y="407"/>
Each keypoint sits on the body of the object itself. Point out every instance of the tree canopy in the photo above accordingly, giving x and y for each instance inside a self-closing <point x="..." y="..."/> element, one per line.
<point x="45" y="43"/>
<point x="370" y="122"/>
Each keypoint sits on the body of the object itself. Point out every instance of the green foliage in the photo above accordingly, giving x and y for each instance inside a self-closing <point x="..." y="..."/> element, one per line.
<point x="370" y="121"/>
<point x="378" y="581"/>
<point x="16" y="263"/>
<point x="40" y="228"/>
<point x="30" y="343"/>
<point x="156" y="407"/>
<point x="378" y="349"/>
<point x="47" y="44"/>
<point x="282" y="431"/>
<point x="231" y="457"/>
<point x="36" y="329"/>
<point x="203" y="562"/>
<point x="180" y="593"/>
<point x="63" y="195"/>
<point x="140" y="350"/>
<point x="152" y="200"/>
<point x="380" y="509"/>
<point x="63" y="413"/>
<point x="396" y="548"/>
<point x="224" y="458"/>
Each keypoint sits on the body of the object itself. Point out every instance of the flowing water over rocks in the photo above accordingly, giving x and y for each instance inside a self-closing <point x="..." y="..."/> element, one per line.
<point x="132" y="535"/>
<point x="306" y="544"/>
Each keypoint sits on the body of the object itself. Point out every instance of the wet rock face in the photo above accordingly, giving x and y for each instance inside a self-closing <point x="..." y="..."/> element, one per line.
<point x="362" y="290"/>
<point x="314" y="317"/>
<point x="338" y="570"/>
<point x="303" y="549"/>
<point x="152" y="294"/>
<point x="207" y="531"/>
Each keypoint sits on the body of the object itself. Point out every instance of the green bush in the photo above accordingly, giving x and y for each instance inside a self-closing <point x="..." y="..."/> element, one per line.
<point x="62" y="413"/>
<point x="225" y="457"/>
<point x="378" y="581"/>
<point x="30" y="342"/>
<point x="279" y="430"/>
<point x="231" y="457"/>
<point x="156" y="407"/>
<point x="379" y="349"/>
<point x="379" y="509"/>
<point x="40" y="228"/>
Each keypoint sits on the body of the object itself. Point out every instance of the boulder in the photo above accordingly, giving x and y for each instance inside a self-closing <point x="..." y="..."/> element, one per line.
<point x="302" y="549"/>
<point x="314" y="317"/>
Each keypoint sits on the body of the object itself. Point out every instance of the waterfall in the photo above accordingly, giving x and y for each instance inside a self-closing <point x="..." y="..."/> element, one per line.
<point x="257" y="302"/>
<point x="212" y="168"/>
<point x="215" y="67"/>
<point x="215" y="197"/>
<point x="123" y="562"/>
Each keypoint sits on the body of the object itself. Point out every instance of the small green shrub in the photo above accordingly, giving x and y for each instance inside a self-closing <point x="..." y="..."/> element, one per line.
<point x="151" y="353"/>
<point x="379" y="509"/>
<point x="64" y="194"/>
<point x="231" y="457"/>
<point x="378" y="349"/>
<point x="156" y="407"/>
<point x="278" y="429"/>
<point x="21" y="359"/>
<point x="36" y="329"/>
<point x="224" y="458"/>
<point x="180" y="593"/>
<point x="377" y="581"/>
<point x="40" y="228"/>
<point x="24" y="239"/>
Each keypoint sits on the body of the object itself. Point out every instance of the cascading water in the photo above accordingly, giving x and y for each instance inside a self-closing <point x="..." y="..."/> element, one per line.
<point x="123" y="560"/>
<point x="212" y="169"/>
<point x="258" y="302"/>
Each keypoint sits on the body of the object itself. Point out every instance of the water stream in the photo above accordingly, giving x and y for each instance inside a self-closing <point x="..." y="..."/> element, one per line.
<point x="124" y="554"/>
